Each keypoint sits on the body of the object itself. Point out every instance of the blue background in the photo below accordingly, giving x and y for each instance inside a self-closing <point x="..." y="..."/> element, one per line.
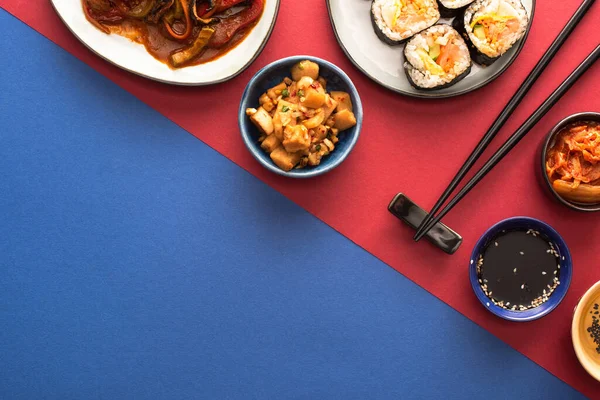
<point x="139" y="263"/>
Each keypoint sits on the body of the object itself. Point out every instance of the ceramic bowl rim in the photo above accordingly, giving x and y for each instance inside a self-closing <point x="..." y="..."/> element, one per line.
<point x="535" y="313"/>
<point x="581" y="116"/>
<point x="575" y="331"/>
<point x="301" y="173"/>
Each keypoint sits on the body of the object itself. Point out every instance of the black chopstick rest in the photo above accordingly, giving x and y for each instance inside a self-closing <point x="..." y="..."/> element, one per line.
<point x="411" y="214"/>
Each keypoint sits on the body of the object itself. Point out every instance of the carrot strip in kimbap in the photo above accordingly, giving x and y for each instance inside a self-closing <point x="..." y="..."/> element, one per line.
<point x="450" y="8"/>
<point x="395" y="21"/>
<point x="492" y="27"/>
<point x="436" y="58"/>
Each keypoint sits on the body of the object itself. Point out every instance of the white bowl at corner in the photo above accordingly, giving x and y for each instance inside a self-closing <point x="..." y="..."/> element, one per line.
<point x="134" y="58"/>
<point x="586" y="355"/>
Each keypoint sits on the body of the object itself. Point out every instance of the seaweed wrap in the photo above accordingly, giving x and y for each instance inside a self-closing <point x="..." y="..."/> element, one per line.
<point x="450" y="8"/>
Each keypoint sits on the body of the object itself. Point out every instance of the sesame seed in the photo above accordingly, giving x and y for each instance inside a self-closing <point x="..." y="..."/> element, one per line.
<point x="496" y="244"/>
<point x="515" y="270"/>
<point x="487" y="304"/>
<point x="543" y="272"/>
<point x="521" y="253"/>
<point x="523" y="286"/>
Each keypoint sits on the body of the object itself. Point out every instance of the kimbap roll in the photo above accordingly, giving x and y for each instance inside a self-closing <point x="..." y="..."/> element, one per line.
<point x="395" y="21"/>
<point x="492" y="27"/>
<point x="436" y="58"/>
<point x="450" y="8"/>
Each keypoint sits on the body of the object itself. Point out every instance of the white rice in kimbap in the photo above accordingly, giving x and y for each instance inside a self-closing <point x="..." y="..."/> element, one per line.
<point x="436" y="58"/>
<point x="395" y="21"/>
<point x="493" y="27"/>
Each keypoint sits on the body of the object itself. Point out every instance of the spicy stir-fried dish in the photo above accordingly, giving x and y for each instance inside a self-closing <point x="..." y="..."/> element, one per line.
<point x="299" y="121"/>
<point x="178" y="32"/>
<point x="573" y="163"/>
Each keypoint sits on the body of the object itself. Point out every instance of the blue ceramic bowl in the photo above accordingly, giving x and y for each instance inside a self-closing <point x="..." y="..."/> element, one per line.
<point x="273" y="74"/>
<point x="566" y="268"/>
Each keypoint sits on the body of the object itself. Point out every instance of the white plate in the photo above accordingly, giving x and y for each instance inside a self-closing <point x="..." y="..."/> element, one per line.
<point x="351" y="21"/>
<point x="134" y="58"/>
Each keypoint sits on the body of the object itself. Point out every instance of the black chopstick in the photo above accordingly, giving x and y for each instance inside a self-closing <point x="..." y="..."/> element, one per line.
<point x="508" y="110"/>
<point x="517" y="136"/>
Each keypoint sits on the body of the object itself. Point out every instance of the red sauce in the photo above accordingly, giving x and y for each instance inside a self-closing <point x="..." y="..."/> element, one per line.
<point x="231" y="27"/>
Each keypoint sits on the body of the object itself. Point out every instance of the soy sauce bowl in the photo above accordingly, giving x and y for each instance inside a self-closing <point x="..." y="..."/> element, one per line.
<point x="548" y="143"/>
<point x="271" y="75"/>
<point x="566" y="268"/>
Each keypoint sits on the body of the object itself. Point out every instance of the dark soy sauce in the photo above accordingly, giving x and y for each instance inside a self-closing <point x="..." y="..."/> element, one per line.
<point x="519" y="269"/>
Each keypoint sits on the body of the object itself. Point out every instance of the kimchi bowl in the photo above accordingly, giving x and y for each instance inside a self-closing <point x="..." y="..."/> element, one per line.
<point x="570" y="162"/>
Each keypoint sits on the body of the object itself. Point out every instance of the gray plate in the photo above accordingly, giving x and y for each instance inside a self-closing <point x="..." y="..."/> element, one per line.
<point x="351" y="21"/>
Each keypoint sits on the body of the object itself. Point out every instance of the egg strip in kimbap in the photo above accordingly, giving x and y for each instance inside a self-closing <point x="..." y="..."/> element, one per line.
<point x="395" y="21"/>
<point x="436" y="58"/>
<point x="449" y="8"/>
<point x="492" y="27"/>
